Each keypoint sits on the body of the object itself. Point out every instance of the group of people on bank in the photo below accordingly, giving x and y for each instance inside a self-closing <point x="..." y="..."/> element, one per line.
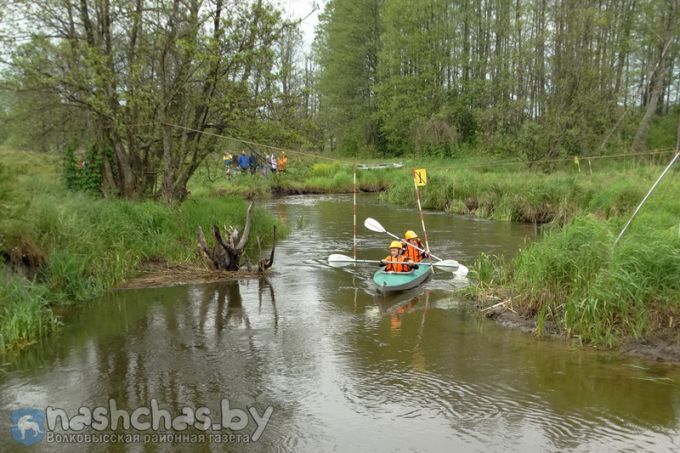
<point x="405" y="254"/>
<point x="252" y="163"/>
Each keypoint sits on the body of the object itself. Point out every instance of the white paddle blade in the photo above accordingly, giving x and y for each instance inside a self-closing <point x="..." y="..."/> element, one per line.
<point x="462" y="271"/>
<point x="374" y="225"/>
<point x="448" y="265"/>
<point x="338" y="258"/>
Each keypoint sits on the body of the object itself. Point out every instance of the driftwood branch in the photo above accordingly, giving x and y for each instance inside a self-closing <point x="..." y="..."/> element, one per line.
<point x="204" y="250"/>
<point x="265" y="264"/>
<point x="246" y="229"/>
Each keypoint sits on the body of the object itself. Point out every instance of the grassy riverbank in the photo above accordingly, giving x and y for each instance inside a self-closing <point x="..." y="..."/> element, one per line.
<point x="302" y="176"/>
<point x="574" y="280"/>
<point x="73" y="246"/>
<point x="519" y="194"/>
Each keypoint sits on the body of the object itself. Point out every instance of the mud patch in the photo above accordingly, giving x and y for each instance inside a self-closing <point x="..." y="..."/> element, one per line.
<point x="24" y="259"/>
<point x="660" y="349"/>
<point x="664" y="347"/>
<point x="504" y="314"/>
<point x="159" y="274"/>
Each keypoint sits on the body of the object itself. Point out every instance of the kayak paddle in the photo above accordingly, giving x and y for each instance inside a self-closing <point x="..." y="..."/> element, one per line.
<point x="337" y="259"/>
<point x="461" y="270"/>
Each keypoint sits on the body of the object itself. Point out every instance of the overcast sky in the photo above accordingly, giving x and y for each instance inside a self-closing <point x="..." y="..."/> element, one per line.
<point x="301" y="8"/>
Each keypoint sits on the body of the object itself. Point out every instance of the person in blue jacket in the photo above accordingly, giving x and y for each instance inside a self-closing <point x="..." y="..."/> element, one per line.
<point x="243" y="162"/>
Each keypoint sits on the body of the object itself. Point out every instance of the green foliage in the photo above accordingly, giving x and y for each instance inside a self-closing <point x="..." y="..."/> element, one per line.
<point x="323" y="169"/>
<point x="346" y="47"/>
<point x="487" y="271"/>
<point x="92" y="244"/>
<point x="662" y="133"/>
<point x="24" y="310"/>
<point x="514" y="193"/>
<point x="517" y="78"/>
<point x="577" y="278"/>
<point x="83" y="173"/>
<point x="95" y="83"/>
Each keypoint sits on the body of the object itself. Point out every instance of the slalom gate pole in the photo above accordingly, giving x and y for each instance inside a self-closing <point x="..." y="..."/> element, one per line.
<point x="422" y="218"/>
<point x="354" y="213"/>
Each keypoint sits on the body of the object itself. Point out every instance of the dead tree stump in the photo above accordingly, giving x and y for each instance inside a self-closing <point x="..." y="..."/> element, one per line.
<point x="225" y="254"/>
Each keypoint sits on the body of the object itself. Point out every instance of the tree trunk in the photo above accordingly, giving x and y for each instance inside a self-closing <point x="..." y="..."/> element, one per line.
<point x="655" y="90"/>
<point x="656" y="81"/>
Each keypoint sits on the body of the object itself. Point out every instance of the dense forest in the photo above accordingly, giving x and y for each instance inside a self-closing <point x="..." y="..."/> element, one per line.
<point x="143" y="85"/>
<point x="537" y="77"/>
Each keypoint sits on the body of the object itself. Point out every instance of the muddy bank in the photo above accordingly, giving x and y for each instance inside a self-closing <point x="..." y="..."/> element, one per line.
<point x="664" y="347"/>
<point x="283" y="191"/>
<point x="158" y="275"/>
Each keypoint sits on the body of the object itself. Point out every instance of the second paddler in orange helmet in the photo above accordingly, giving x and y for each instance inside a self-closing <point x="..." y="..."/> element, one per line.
<point x="410" y="242"/>
<point x="396" y="261"/>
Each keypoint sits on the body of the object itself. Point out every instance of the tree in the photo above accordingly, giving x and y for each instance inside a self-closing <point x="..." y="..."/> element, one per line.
<point x="347" y="46"/>
<point x="665" y="17"/>
<point x="497" y="73"/>
<point x="138" y="69"/>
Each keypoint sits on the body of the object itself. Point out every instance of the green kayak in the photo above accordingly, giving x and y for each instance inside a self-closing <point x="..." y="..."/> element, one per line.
<point x="389" y="282"/>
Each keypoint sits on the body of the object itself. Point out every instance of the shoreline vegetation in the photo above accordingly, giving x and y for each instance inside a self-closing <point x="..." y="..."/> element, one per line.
<point x="62" y="248"/>
<point x="572" y="283"/>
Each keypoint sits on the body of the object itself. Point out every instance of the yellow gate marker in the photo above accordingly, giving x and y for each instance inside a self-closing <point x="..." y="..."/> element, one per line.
<point x="420" y="177"/>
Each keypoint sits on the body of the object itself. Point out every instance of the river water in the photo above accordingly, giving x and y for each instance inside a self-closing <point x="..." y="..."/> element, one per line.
<point x="341" y="368"/>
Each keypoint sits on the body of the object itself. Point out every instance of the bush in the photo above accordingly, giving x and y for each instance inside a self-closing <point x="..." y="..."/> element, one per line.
<point x="83" y="173"/>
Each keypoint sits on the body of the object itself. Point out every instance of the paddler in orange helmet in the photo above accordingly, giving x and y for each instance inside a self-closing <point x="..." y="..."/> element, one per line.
<point x="396" y="261"/>
<point x="410" y="240"/>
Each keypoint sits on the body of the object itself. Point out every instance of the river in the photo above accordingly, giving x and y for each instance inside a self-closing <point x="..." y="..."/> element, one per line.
<point x="341" y="368"/>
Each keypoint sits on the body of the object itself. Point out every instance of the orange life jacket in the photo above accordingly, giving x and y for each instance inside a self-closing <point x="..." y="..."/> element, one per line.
<point x="394" y="264"/>
<point x="413" y="253"/>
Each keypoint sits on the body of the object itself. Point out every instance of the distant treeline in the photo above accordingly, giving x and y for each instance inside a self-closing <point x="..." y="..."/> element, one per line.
<point x="149" y="88"/>
<point x="537" y="77"/>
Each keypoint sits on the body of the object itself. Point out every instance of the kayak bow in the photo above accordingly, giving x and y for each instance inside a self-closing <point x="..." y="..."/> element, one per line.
<point x="389" y="282"/>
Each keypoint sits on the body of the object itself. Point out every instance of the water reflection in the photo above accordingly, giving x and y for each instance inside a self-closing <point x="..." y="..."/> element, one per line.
<point x="263" y="285"/>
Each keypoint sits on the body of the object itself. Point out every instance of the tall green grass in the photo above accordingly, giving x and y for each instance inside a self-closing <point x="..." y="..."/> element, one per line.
<point x="579" y="281"/>
<point x="529" y="196"/>
<point x="24" y="310"/>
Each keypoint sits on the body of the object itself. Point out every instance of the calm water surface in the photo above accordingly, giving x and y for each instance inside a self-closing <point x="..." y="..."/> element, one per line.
<point x="343" y="369"/>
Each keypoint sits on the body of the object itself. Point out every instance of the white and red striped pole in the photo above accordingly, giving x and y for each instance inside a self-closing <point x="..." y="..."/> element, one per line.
<point x="354" y="213"/>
